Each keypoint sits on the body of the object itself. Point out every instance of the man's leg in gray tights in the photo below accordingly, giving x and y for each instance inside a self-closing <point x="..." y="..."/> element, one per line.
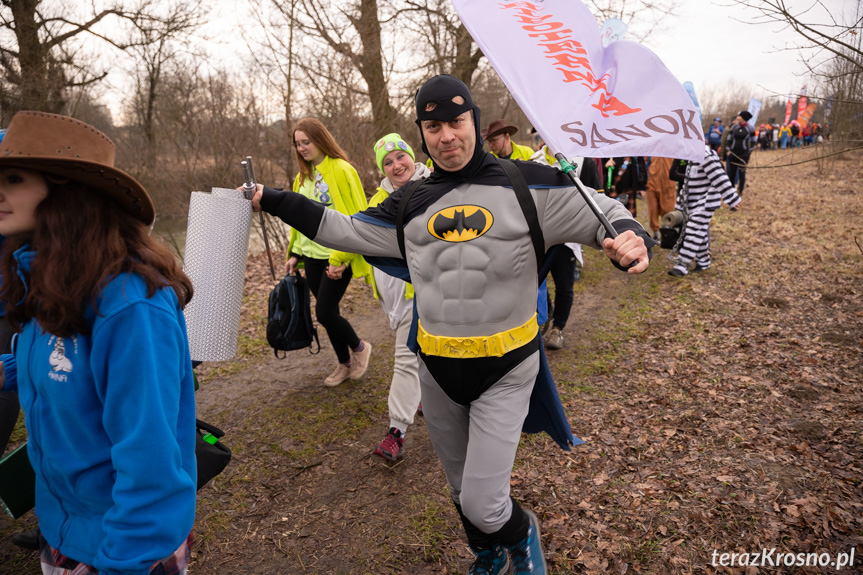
<point x="477" y="444"/>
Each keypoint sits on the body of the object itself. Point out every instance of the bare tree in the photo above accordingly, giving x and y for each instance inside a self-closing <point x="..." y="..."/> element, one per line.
<point x="274" y="53"/>
<point x="724" y="100"/>
<point x="205" y="125"/>
<point x="842" y="85"/>
<point x="161" y="35"/>
<point x="353" y="31"/>
<point x="831" y="47"/>
<point x="644" y="18"/>
<point x="836" y="36"/>
<point x="448" y="45"/>
<point x="38" y="46"/>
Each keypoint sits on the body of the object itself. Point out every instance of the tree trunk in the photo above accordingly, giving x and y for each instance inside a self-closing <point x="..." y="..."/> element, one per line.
<point x="466" y="58"/>
<point x="372" y="70"/>
<point x="40" y="82"/>
<point x="150" y="116"/>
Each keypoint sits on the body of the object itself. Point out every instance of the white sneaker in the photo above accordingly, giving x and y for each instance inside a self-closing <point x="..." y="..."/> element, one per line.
<point x="341" y="373"/>
<point x="360" y="361"/>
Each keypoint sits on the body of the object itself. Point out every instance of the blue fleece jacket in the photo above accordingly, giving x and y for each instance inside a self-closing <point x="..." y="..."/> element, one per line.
<point x="111" y="425"/>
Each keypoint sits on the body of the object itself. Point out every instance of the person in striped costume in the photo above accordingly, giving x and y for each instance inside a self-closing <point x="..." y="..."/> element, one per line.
<point x="706" y="187"/>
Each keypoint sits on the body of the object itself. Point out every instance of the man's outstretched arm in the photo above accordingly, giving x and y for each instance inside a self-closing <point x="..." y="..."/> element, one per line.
<point x="328" y="227"/>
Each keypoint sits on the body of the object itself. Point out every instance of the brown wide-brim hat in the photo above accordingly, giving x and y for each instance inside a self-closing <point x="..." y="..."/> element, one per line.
<point x="499" y="127"/>
<point x="68" y="148"/>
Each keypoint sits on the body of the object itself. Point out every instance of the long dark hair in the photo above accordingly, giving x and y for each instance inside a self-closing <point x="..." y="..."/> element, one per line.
<point x="320" y="137"/>
<point x="82" y="241"/>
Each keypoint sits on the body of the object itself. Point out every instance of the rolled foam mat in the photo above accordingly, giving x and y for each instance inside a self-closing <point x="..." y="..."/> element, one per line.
<point x="217" y="245"/>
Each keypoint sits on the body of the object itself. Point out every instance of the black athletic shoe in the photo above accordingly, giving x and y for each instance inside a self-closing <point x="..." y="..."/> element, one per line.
<point x="27" y="539"/>
<point x="676" y="273"/>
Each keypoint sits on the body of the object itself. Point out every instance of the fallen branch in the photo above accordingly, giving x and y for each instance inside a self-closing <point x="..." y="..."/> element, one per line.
<point x="304" y="467"/>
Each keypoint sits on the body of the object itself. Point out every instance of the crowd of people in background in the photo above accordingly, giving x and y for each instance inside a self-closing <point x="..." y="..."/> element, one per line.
<point x="791" y="135"/>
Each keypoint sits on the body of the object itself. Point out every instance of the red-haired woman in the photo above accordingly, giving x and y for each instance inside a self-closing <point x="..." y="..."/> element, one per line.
<point x="327" y="177"/>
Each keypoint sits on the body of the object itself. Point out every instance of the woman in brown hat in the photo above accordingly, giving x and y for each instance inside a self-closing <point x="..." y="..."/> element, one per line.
<point x="101" y="362"/>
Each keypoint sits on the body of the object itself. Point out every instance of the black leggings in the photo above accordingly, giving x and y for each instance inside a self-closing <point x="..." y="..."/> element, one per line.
<point x="563" y="272"/>
<point x="328" y="294"/>
<point x="737" y="169"/>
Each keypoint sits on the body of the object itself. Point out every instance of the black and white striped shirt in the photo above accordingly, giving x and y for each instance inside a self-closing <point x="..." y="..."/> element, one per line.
<point x="708" y="186"/>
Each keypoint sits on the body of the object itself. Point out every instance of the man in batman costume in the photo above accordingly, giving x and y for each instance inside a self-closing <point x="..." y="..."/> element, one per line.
<point x="481" y="361"/>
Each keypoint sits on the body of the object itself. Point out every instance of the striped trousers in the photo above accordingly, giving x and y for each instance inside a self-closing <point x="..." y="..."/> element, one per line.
<point x="696" y="241"/>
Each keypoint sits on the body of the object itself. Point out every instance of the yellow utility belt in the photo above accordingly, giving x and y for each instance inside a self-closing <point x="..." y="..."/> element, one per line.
<point x="470" y="347"/>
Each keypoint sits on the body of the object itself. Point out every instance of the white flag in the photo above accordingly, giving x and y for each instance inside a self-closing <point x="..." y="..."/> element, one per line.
<point x="585" y="100"/>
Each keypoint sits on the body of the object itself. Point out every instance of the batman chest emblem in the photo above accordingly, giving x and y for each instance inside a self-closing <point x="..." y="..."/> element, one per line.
<point x="460" y="223"/>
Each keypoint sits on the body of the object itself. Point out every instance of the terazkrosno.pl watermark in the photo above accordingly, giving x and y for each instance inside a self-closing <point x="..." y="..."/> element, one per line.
<point x="774" y="558"/>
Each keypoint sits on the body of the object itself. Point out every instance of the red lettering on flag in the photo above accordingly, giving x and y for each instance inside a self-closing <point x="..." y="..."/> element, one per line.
<point x="568" y="45"/>
<point x="570" y="61"/>
<point x="525" y="8"/>
<point x="544" y="27"/>
<point x="532" y="20"/>
<point x="551" y="36"/>
<point x="575" y="69"/>
<point x="613" y="105"/>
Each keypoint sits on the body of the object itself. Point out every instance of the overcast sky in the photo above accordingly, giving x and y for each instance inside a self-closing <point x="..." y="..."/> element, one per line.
<point x="712" y="43"/>
<point x="709" y="43"/>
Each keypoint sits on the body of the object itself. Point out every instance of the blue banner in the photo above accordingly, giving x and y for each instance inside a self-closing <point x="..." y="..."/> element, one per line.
<point x="690" y="89"/>
<point x="754" y="109"/>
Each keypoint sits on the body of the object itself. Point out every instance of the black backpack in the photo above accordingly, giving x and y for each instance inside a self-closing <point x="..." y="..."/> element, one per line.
<point x="289" y="317"/>
<point x="740" y="138"/>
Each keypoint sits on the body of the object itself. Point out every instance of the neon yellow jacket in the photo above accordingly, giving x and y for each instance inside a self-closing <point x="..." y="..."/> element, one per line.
<point x="519" y="152"/>
<point x="348" y="196"/>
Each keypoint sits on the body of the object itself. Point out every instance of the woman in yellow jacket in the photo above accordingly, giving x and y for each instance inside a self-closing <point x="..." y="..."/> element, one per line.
<point x="396" y="160"/>
<point x="326" y="177"/>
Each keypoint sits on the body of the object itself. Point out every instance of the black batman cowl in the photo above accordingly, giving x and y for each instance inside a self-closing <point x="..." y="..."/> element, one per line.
<point x="441" y="90"/>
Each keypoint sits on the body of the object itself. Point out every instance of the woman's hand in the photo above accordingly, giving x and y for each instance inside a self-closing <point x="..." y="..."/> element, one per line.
<point x="335" y="272"/>
<point x="291" y="265"/>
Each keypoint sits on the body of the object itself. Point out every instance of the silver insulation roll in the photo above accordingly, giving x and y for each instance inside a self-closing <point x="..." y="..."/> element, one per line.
<point x="217" y="245"/>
